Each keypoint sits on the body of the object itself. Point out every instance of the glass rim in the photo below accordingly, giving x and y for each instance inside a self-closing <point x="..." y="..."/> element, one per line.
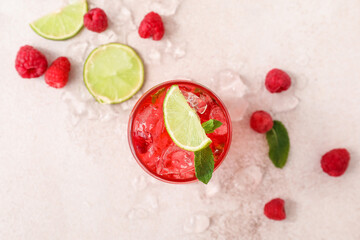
<point x="131" y="120"/>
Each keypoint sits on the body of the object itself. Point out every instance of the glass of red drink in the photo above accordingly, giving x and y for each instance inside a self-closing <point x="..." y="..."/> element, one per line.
<point x="152" y="146"/>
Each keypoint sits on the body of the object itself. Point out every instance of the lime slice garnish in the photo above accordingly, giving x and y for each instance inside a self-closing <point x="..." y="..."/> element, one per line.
<point x="113" y="73"/>
<point x="62" y="24"/>
<point x="182" y="123"/>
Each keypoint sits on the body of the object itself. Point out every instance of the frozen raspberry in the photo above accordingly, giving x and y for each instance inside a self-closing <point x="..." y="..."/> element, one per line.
<point x="335" y="162"/>
<point x="58" y="73"/>
<point x="277" y="81"/>
<point x="275" y="209"/>
<point x="30" y="63"/>
<point x="96" y="20"/>
<point x="261" y="122"/>
<point x="152" y="26"/>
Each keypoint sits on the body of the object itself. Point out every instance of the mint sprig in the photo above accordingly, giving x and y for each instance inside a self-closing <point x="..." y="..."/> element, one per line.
<point x="211" y="125"/>
<point x="279" y="144"/>
<point x="204" y="159"/>
<point x="204" y="164"/>
<point x="157" y="95"/>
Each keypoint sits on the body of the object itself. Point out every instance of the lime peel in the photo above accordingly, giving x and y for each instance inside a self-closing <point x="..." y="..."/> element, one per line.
<point x="61" y="24"/>
<point x="113" y="73"/>
<point x="182" y="123"/>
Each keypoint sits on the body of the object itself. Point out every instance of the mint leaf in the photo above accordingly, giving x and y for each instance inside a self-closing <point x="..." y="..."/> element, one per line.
<point x="204" y="159"/>
<point x="211" y="125"/>
<point x="204" y="164"/>
<point x="157" y="95"/>
<point x="279" y="144"/>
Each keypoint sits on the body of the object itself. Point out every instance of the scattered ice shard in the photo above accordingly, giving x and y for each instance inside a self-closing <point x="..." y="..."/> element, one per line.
<point x="109" y="36"/>
<point x="164" y="7"/>
<point x="177" y="50"/>
<point x="151" y="202"/>
<point x="153" y="56"/>
<point x="275" y="102"/>
<point x="77" y="50"/>
<point x="247" y="179"/>
<point x="213" y="188"/>
<point x="124" y="24"/>
<point x="197" y="223"/>
<point x="124" y="16"/>
<point x="231" y="89"/>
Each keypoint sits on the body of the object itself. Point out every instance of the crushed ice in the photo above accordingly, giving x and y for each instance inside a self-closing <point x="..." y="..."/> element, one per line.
<point x="197" y="223"/>
<point x="164" y="7"/>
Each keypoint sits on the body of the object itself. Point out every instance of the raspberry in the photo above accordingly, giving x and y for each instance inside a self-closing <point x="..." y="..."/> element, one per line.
<point x="30" y="63"/>
<point x="261" y="122"/>
<point x="152" y="26"/>
<point x="277" y="81"/>
<point x="275" y="209"/>
<point x="58" y="73"/>
<point x="335" y="162"/>
<point x="96" y="20"/>
<point x="62" y="62"/>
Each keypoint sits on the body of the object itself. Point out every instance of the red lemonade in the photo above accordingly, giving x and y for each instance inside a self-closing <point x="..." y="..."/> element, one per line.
<point x="152" y="146"/>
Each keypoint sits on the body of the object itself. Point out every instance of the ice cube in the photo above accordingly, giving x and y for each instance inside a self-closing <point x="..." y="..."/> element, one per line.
<point x="247" y="179"/>
<point x="124" y="16"/>
<point x="109" y="36"/>
<point x="153" y="56"/>
<point x="148" y="117"/>
<point x="139" y="183"/>
<point x="164" y="7"/>
<point x="195" y="102"/>
<point x="232" y="90"/>
<point x="276" y="103"/>
<point x="179" y="51"/>
<point x="77" y="50"/>
<point x="217" y="114"/>
<point x="175" y="160"/>
<point x="237" y="109"/>
<point x="197" y="223"/>
<point x="176" y="50"/>
<point x="230" y="85"/>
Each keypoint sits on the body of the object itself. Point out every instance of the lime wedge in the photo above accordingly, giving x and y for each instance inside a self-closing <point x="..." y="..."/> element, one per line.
<point x="182" y="123"/>
<point x="62" y="24"/>
<point x="113" y="73"/>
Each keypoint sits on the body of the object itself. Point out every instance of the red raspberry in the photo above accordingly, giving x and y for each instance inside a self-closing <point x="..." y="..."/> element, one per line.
<point x="335" y="162"/>
<point x="96" y="20"/>
<point x="277" y="81"/>
<point x="152" y="26"/>
<point x="275" y="209"/>
<point x="58" y="73"/>
<point x="261" y="122"/>
<point x="62" y="62"/>
<point x="30" y="63"/>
